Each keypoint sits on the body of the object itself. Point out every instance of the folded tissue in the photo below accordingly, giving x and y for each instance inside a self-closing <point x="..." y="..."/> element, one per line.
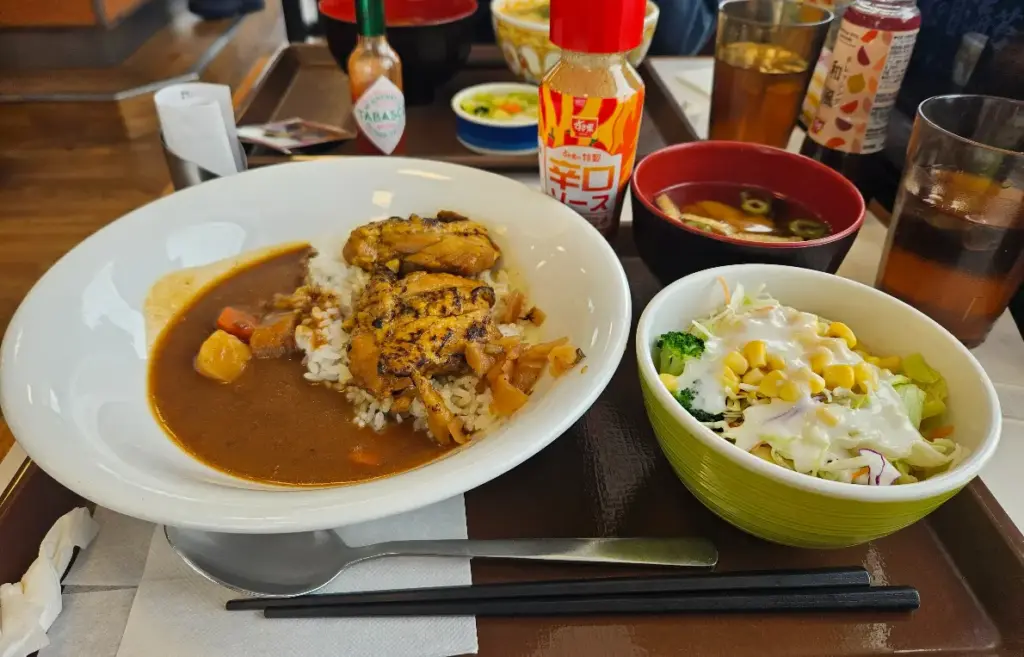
<point x="197" y="123"/>
<point x="29" y="607"/>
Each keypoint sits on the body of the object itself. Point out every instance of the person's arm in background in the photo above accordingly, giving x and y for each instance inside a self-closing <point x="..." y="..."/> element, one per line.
<point x="685" y="27"/>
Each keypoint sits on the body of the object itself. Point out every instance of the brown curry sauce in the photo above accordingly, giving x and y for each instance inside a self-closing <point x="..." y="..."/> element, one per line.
<point x="270" y="425"/>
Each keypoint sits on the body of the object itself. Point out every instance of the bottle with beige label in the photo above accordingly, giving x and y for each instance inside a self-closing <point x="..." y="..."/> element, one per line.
<point x="871" y="55"/>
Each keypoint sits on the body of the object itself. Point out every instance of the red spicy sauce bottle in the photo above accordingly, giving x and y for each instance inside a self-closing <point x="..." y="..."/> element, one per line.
<point x="591" y="103"/>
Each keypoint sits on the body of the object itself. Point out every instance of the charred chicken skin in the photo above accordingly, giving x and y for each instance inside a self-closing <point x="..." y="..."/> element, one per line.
<point x="419" y="324"/>
<point x="449" y="243"/>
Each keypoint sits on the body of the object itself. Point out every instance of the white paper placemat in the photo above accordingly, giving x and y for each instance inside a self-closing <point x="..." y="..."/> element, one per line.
<point x="117" y="555"/>
<point x="177" y="613"/>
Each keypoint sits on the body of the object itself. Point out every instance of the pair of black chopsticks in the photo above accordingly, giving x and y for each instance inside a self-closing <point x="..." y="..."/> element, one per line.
<point x="830" y="589"/>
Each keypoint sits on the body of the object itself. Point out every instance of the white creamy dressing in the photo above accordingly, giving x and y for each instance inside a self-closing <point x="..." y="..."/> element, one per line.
<point x="797" y="430"/>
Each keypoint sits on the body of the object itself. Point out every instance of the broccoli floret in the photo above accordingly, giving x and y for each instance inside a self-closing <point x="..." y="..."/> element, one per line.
<point x="685" y="399"/>
<point x="673" y="350"/>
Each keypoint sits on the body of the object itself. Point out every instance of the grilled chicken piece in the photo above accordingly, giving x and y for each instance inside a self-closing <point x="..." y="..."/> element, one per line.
<point x="417" y="325"/>
<point x="433" y="345"/>
<point x="449" y="243"/>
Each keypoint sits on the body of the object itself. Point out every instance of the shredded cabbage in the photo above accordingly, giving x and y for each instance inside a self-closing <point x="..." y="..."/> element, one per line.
<point x="848" y="450"/>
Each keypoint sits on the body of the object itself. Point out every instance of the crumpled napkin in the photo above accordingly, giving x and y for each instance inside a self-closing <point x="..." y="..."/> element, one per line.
<point x="29" y="607"/>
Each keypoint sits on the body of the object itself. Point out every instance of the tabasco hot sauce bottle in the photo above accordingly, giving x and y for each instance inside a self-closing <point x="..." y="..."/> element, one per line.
<point x="591" y="103"/>
<point x="375" y="77"/>
<point x="872" y="52"/>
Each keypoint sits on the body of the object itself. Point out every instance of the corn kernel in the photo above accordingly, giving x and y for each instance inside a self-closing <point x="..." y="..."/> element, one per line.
<point x="840" y="330"/>
<point x="790" y="391"/>
<point x="873" y="360"/>
<point x="756" y="353"/>
<point x="820" y="359"/>
<point x="865" y="377"/>
<point x="753" y="376"/>
<point x="814" y="382"/>
<point x="671" y="382"/>
<point x="769" y="386"/>
<point x="892" y="363"/>
<point x="827" y="417"/>
<point x="863" y="354"/>
<point x="736" y="362"/>
<point x="730" y="379"/>
<point x="839" y="376"/>
<point x="776" y="362"/>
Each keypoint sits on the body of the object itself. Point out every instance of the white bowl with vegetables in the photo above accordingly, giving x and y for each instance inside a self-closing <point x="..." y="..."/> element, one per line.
<point x="497" y="118"/>
<point x="809" y="409"/>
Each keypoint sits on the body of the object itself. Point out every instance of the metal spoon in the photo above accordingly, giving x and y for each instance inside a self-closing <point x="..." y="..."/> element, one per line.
<point x="295" y="564"/>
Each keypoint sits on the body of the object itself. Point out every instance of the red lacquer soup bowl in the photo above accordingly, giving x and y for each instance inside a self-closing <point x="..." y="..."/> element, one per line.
<point x="673" y="250"/>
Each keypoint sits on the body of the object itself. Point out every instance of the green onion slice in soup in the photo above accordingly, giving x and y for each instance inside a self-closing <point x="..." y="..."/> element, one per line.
<point x="808" y="228"/>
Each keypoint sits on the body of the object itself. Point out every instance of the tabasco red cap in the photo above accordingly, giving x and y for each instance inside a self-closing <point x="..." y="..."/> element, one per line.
<point x="597" y="26"/>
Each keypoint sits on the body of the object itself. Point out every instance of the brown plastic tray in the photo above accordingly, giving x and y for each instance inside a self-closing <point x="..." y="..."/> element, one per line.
<point x="607" y="477"/>
<point x="304" y="81"/>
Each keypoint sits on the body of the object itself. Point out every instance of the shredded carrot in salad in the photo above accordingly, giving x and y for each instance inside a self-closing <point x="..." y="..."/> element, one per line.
<point x="725" y="289"/>
<point x="940" y="432"/>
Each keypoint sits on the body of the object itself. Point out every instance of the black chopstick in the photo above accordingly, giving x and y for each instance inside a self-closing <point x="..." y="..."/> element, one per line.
<point x="883" y="598"/>
<point x="772" y="579"/>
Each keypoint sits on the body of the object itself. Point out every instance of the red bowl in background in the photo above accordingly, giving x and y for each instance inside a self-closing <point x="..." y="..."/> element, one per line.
<point x="432" y="38"/>
<point x="673" y="250"/>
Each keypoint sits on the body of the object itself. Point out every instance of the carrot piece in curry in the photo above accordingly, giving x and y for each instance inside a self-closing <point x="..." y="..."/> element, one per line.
<point x="363" y="457"/>
<point x="237" y="322"/>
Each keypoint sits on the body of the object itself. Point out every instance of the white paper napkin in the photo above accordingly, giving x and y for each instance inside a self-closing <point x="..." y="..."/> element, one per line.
<point x="177" y="613"/>
<point x="198" y="125"/>
<point x="118" y="555"/>
<point x="29" y="607"/>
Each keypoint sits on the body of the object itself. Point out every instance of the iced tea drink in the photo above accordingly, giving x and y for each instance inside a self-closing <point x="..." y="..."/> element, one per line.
<point x="955" y="248"/>
<point x="763" y="57"/>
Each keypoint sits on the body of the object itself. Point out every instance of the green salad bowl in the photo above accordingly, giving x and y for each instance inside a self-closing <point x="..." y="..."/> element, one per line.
<point x="783" y="506"/>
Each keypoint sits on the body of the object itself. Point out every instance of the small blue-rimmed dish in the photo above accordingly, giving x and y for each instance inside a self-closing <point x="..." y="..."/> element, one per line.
<point x="514" y="135"/>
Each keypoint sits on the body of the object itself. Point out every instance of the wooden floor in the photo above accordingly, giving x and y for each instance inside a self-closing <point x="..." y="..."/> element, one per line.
<point x="51" y="198"/>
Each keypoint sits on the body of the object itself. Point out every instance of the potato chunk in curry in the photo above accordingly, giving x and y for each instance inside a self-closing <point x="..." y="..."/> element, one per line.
<point x="222" y="357"/>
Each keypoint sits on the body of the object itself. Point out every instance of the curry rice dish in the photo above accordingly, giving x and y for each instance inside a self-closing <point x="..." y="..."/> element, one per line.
<point x="305" y="367"/>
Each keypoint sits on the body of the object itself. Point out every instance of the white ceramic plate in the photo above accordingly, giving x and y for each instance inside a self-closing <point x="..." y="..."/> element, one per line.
<point x="74" y="360"/>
